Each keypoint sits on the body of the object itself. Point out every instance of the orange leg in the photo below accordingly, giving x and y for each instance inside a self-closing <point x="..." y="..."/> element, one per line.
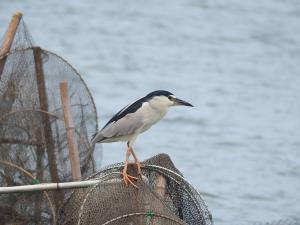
<point x="137" y="162"/>
<point x="126" y="177"/>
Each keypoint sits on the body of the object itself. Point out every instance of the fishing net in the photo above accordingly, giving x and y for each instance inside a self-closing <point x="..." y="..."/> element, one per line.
<point x="22" y="38"/>
<point x="33" y="143"/>
<point x="163" y="197"/>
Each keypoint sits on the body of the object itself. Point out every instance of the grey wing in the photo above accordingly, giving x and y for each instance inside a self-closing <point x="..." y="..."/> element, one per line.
<point x="127" y="125"/>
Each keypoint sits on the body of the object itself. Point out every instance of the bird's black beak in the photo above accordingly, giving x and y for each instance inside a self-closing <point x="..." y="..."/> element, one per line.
<point x="178" y="101"/>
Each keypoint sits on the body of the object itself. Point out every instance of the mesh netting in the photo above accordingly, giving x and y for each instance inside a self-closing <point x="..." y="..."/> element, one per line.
<point x="111" y="202"/>
<point x="27" y="208"/>
<point x="22" y="38"/>
<point x="33" y="143"/>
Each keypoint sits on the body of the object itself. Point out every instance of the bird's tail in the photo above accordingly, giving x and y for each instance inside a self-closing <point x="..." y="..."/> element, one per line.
<point x="97" y="137"/>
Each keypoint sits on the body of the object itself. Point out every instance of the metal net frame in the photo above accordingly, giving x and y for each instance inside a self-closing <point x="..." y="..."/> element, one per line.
<point x="110" y="201"/>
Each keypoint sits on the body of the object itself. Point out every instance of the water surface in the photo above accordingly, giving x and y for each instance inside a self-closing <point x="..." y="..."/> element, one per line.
<point x="236" y="61"/>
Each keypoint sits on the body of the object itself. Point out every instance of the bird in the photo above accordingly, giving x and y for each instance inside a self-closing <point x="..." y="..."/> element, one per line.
<point x="134" y="119"/>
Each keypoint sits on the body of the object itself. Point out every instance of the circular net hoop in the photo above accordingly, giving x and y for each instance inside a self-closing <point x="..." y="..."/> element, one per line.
<point x="111" y="202"/>
<point x="23" y="86"/>
<point x="33" y="133"/>
<point x="144" y="218"/>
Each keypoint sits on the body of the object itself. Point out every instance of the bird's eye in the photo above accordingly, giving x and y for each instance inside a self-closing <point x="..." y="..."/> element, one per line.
<point x="170" y="97"/>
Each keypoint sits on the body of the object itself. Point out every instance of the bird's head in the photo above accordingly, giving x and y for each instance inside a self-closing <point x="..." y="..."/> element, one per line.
<point x="165" y="99"/>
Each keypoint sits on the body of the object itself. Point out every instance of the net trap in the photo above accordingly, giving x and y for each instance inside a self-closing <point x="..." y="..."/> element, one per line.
<point x="163" y="196"/>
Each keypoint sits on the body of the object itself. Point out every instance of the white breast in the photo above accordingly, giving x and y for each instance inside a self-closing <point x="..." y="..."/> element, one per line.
<point x="151" y="115"/>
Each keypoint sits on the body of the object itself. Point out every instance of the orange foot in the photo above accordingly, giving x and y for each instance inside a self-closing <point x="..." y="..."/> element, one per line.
<point x="128" y="179"/>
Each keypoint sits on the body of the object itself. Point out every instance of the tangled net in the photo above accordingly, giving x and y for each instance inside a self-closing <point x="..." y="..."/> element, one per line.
<point x="163" y="197"/>
<point x="33" y="143"/>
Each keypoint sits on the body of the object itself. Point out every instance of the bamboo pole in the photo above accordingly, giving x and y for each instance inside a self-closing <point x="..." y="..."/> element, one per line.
<point x="10" y="33"/>
<point x="48" y="186"/>
<point x="8" y="38"/>
<point x="69" y="124"/>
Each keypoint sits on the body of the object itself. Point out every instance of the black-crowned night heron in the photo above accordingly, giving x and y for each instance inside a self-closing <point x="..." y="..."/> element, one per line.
<point x="134" y="119"/>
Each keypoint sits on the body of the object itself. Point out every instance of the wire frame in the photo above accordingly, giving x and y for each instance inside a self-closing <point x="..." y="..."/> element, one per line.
<point x="148" y="217"/>
<point x="111" y="202"/>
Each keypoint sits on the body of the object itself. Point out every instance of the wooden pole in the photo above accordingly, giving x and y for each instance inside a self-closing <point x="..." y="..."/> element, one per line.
<point x="73" y="150"/>
<point x="160" y="189"/>
<point x="46" y="120"/>
<point x="9" y="37"/>
<point x="10" y="33"/>
<point x="160" y="185"/>
<point x="50" y="146"/>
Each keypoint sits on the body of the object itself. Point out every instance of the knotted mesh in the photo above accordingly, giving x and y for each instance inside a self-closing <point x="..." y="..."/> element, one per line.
<point x="33" y="143"/>
<point x="163" y="197"/>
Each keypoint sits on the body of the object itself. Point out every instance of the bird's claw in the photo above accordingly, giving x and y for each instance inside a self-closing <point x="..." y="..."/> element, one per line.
<point x="128" y="179"/>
